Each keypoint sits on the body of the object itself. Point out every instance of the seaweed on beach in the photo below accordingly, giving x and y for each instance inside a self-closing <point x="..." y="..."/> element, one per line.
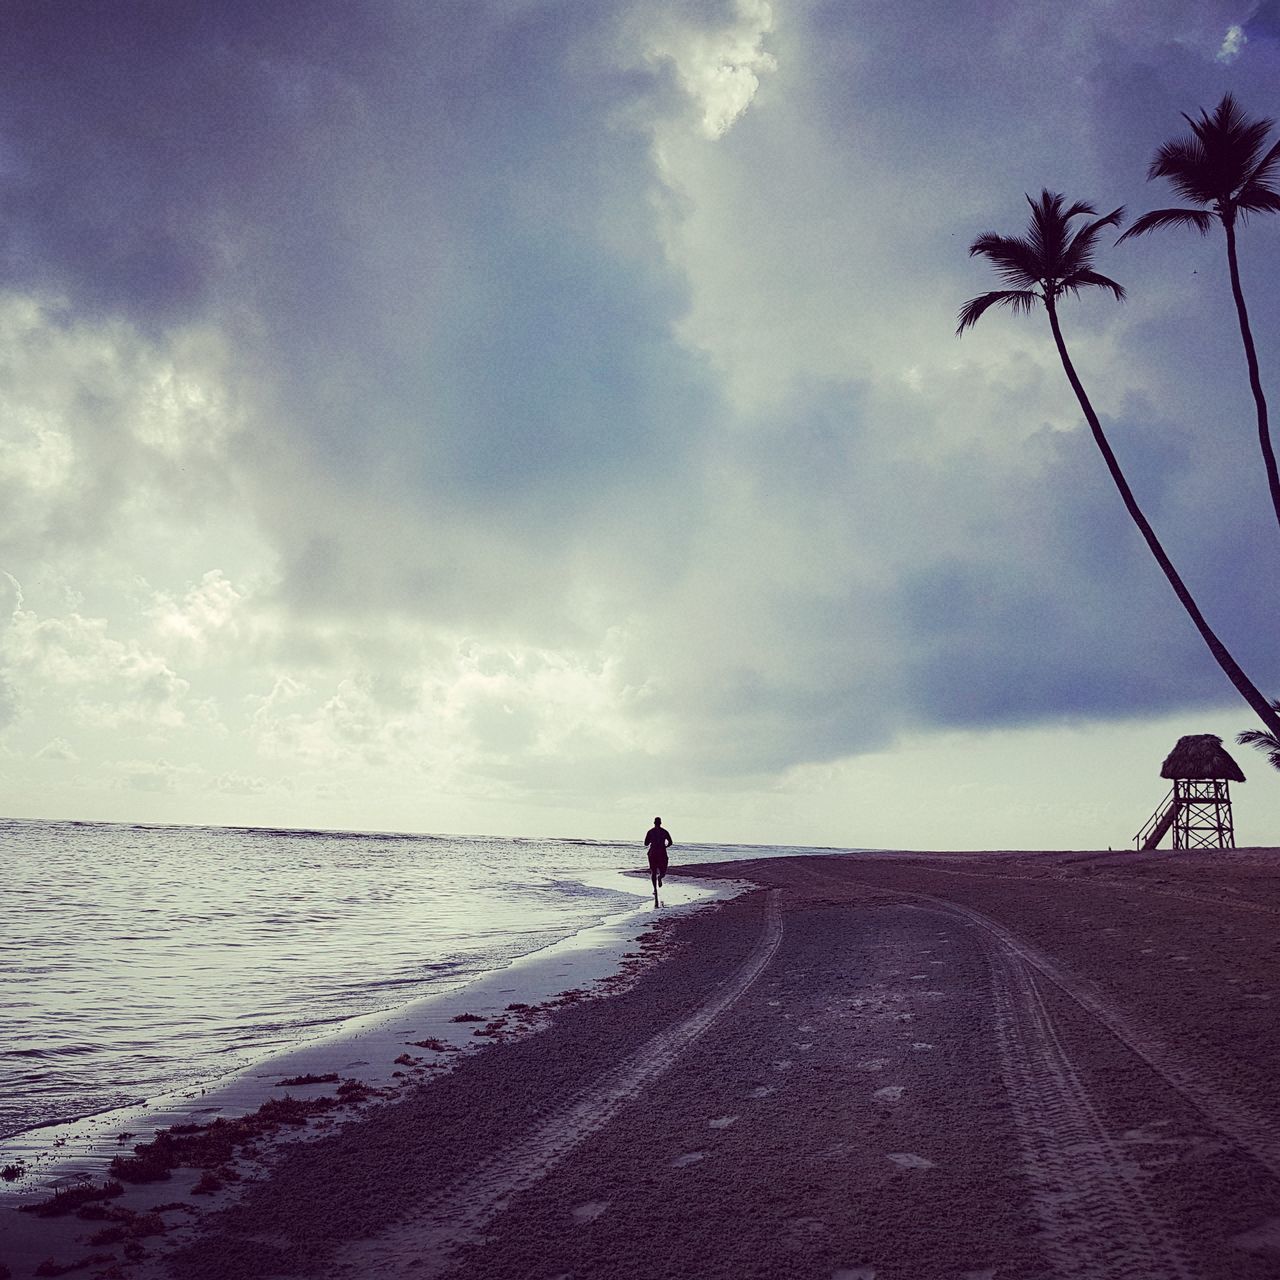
<point x="50" y="1267"/>
<point x="208" y="1183"/>
<point x="213" y="1146"/>
<point x="69" y="1199"/>
<point x="295" y="1082"/>
<point x="437" y="1046"/>
<point x="128" y="1225"/>
<point x="467" y="1017"/>
<point x="12" y="1172"/>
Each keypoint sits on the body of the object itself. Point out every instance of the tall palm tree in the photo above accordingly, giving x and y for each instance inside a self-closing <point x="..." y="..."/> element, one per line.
<point x="1054" y="259"/>
<point x="1223" y="167"/>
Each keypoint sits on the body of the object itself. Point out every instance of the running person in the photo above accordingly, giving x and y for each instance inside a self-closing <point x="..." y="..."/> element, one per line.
<point x="657" y="841"/>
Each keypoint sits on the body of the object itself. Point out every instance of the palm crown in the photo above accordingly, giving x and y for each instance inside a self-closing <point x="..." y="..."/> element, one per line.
<point x="1050" y="260"/>
<point x="1222" y="166"/>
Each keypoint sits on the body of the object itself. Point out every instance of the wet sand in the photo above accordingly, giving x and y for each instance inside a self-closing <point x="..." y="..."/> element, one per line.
<point x="872" y="1067"/>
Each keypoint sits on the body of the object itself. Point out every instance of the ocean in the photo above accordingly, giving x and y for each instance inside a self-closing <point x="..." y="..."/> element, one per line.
<point x="139" y="959"/>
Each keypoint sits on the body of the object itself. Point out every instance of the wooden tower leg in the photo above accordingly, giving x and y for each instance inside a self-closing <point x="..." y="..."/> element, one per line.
<point x="1181" y="815"/>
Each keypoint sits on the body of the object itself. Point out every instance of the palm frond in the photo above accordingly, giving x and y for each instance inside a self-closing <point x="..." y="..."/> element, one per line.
<point x="1201" y="219"/>
<point x="1257" y="199"/>
<point x="1014" y="258"/>
<point x="975" y="308"/>
<point x="1265" y="742"/>
<point x="1048" y="231"/>
<point x="1184" y="162"/>
<point x="1079" y="249"/>
<point x="1232" y="128"/>
<point x="1262" y="172"/>
<point x="1092" y="279"/>
<point x="1079" y="208"/>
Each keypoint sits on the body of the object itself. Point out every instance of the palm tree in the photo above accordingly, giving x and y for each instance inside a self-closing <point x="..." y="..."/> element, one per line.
<point x="1267" y="743"/>
<point x="1050" y="261"/>
<point x="1223" y="167"/>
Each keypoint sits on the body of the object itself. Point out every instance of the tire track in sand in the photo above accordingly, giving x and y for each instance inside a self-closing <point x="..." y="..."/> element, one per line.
<point x="1096" y="1220"/>
<point x="422" y="1246"/>
<point x="1201" y="1083"/>
<point x="1160" y="890"/>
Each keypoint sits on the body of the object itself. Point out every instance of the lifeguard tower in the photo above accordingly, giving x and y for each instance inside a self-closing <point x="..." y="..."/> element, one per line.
<point x="1198" y="808"/>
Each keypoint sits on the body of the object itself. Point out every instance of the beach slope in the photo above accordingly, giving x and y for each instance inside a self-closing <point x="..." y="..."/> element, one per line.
<point x="869" y="1067"/>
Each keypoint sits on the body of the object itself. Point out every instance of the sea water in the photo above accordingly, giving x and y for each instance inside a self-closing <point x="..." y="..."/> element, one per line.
<point x="138" y="959"/>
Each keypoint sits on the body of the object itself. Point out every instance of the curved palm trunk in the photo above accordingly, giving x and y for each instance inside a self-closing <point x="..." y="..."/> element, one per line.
<point x="1251" y="357"/>
<point x="1244" y="686"/>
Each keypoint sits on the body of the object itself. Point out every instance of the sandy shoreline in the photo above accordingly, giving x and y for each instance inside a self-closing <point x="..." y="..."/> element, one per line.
<point x="365" y="1047"/>
<point x="979" y="1066"/>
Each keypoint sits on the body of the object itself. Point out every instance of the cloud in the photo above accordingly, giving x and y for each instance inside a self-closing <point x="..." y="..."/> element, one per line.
<point x="1232" y="43"/>
<point x="238" y="784"/>
<point x="158" y="776"/>
<point x="101" y="427"/>
<point x="504" y="394"/>
<point x="719" y="65"/>
<point x="207" y="615"/>
<point x="109" y="682"/>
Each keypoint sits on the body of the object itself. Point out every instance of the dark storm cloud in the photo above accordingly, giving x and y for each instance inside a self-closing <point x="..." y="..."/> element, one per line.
<point x="403" y="205"/>
<point x="491" y="339"/>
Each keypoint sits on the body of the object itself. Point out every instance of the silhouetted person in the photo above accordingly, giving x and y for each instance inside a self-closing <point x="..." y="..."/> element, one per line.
<point x="657" y="841"/>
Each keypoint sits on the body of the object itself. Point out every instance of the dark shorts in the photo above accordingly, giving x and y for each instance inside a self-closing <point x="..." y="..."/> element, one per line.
<point x="658" y="861"/>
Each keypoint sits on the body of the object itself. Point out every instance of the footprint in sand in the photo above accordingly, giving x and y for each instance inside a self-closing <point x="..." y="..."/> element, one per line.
<point x="589" y="1212"/>
<point x="890" y="1093"/>
<point x="773" y="1004"/>
<point x="873" y="1064"/>
<point x="784" y="1065"/>
<point x="721" y="1122"/>
<point x="803" y="1047"/>
<point x="922" y="1046"/>
<point x="806" y="1226"/>
<point x="909" y="1160"/>
<point x="690" y="1157"/>
<point x="762" y="1091"/>
<point x="806" y="1029"/>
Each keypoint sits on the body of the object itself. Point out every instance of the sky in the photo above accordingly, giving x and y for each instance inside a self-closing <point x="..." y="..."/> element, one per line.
<point x="525" y="417"/>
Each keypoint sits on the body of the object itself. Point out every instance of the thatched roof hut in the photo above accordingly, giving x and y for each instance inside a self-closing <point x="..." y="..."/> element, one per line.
<point x="1200" y="755"/>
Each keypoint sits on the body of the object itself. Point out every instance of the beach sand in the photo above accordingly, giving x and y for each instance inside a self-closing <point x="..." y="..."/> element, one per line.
<point x="1004" y="1066"/>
